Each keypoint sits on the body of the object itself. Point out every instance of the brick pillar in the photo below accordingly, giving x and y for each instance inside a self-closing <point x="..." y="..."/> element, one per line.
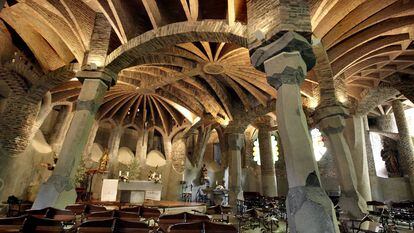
<point x="405" y="144"/>
<point x="269" y="183"/>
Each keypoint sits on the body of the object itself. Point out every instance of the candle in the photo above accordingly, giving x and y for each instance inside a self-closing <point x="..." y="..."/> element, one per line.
<point x="120" y="173"/>
<point x="127" y="174"/>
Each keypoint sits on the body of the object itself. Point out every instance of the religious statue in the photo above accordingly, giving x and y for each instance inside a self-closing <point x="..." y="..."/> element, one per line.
<point x="154" y="176"/>
<point x="103" y="162"/>
<point x="389" y="155"/>
<point x="204" y="179"/>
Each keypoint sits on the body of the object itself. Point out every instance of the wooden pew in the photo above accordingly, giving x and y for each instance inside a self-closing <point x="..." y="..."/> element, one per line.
<point x="13" y="224"/>
<point x="38" y="225"/>
<point x="193" y="227"/>
<point x="166" y="220"/>
<point x="123" y="226"/>
<point x="100" y="215"/>
<point x="97" y="226"/>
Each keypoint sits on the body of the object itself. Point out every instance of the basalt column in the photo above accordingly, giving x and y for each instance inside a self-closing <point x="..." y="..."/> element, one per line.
<point x="330" y="116"/>
<point x="405" y="144"/>
<point x="59" y="191"/>
<point x="113" y="152"/>
<point x="286" y="56"/>
<point x="234" y="143"/>
<point x="269" y="184"/>
<point x="332" y="123"/>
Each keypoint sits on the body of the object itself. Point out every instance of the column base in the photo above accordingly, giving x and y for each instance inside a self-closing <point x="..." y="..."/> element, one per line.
<point x="310" y="210"/>
<point x="352" y="206"/>
<point x="52" y="194"/>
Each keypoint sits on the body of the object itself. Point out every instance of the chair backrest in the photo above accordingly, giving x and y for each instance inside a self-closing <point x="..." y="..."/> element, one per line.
<point x="186" y="227"/>
<point x="127" y="216"/>
<point x="97" y="226"/>
<point x="94" y="208"/>
<point x="77" y="209"/>
<point x="40" y="213"/>
<point x="100" y="215"/>
<point x="134" y="209"/>
<point x="38" y="225"/>
<point x="166" y="220"/>
<point x="11" y="224"/>
<point x="196" y="217"/>
<point x="146" y="212"/>
<point x="60" y="215"/>
<point x="123" y="226"/>
<point x="211" y="227"/>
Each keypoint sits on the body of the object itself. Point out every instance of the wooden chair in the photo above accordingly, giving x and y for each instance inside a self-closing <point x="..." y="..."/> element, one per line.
<point x="100" y="215"/>
<point x="97" y="226"/>
<point x="9" y="225"/>
<point x="40" y="213"/>
<point x="38" y="225"/>
<point x="167" y="220"/>
<point x="128" y="216"/>
<point x="196" y="217"/>
<point x="122" y="226"/>
<point x="93" y="208"/>
<point x="210" y="227"/>
<point x="77" y="209"/>
<point x="134" y="209"/>
<point x="151" y="213"/>
<point x="65" y="216"/>
<point x="193" y="227"/>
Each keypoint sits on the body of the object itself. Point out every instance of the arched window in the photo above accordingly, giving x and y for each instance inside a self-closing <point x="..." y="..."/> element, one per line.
<point x="275" y="150"/>
<point x="319" y="148"/>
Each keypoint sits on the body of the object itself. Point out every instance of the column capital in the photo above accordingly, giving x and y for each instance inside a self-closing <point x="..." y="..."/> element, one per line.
<point x="235" y="141"/>
<point x="322" y="112"/>
<point x="287" y="43"/>
<point x="265" y="123"/>
<point x="332" y="124"/>
<point x="106" y="75"/>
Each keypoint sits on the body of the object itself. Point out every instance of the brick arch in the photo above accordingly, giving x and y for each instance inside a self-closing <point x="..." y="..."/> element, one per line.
<point x="172" y="34"/>
<point x="20" y="114"/>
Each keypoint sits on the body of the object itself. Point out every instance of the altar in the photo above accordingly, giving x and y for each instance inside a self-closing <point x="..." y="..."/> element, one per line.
<point x="134" y="191"/>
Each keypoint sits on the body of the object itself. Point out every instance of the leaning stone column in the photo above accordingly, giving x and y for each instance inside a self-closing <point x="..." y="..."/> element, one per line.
<point x="269" y="185"/>
<point x="309" y="208"/>
<point x="332" y="123"/>
<point x="58" y="191"/>
<point x="114" y="141"/>
<point x="356" y="140"/>
<point x="234" y="143"/>
<point x="405" y="144"/>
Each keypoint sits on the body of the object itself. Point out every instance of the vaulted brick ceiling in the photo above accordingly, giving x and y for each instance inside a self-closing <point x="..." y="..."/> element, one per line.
<point x="367" y="41"/>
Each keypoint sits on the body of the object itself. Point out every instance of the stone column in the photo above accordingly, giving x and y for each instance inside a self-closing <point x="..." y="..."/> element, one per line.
<point x="332" y="123"/>
<point x="269" y="184"/>
<point x="355" y="133"/>
<point x="234" y="143"/>
<point x="59" y="191"/>
<point x="309" y="208"/>
<point x="405" y="144"/>
<point x="114" y="141"/>
<point x="61" y="127"/>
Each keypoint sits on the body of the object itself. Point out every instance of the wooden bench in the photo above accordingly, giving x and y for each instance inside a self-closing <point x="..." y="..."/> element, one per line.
<point x="13" y="224"/>
<point x="202" y="227"/>
<point x="38" y="225"/>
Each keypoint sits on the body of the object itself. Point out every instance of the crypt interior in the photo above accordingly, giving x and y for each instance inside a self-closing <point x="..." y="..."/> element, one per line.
<point x="207" y="116"/>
